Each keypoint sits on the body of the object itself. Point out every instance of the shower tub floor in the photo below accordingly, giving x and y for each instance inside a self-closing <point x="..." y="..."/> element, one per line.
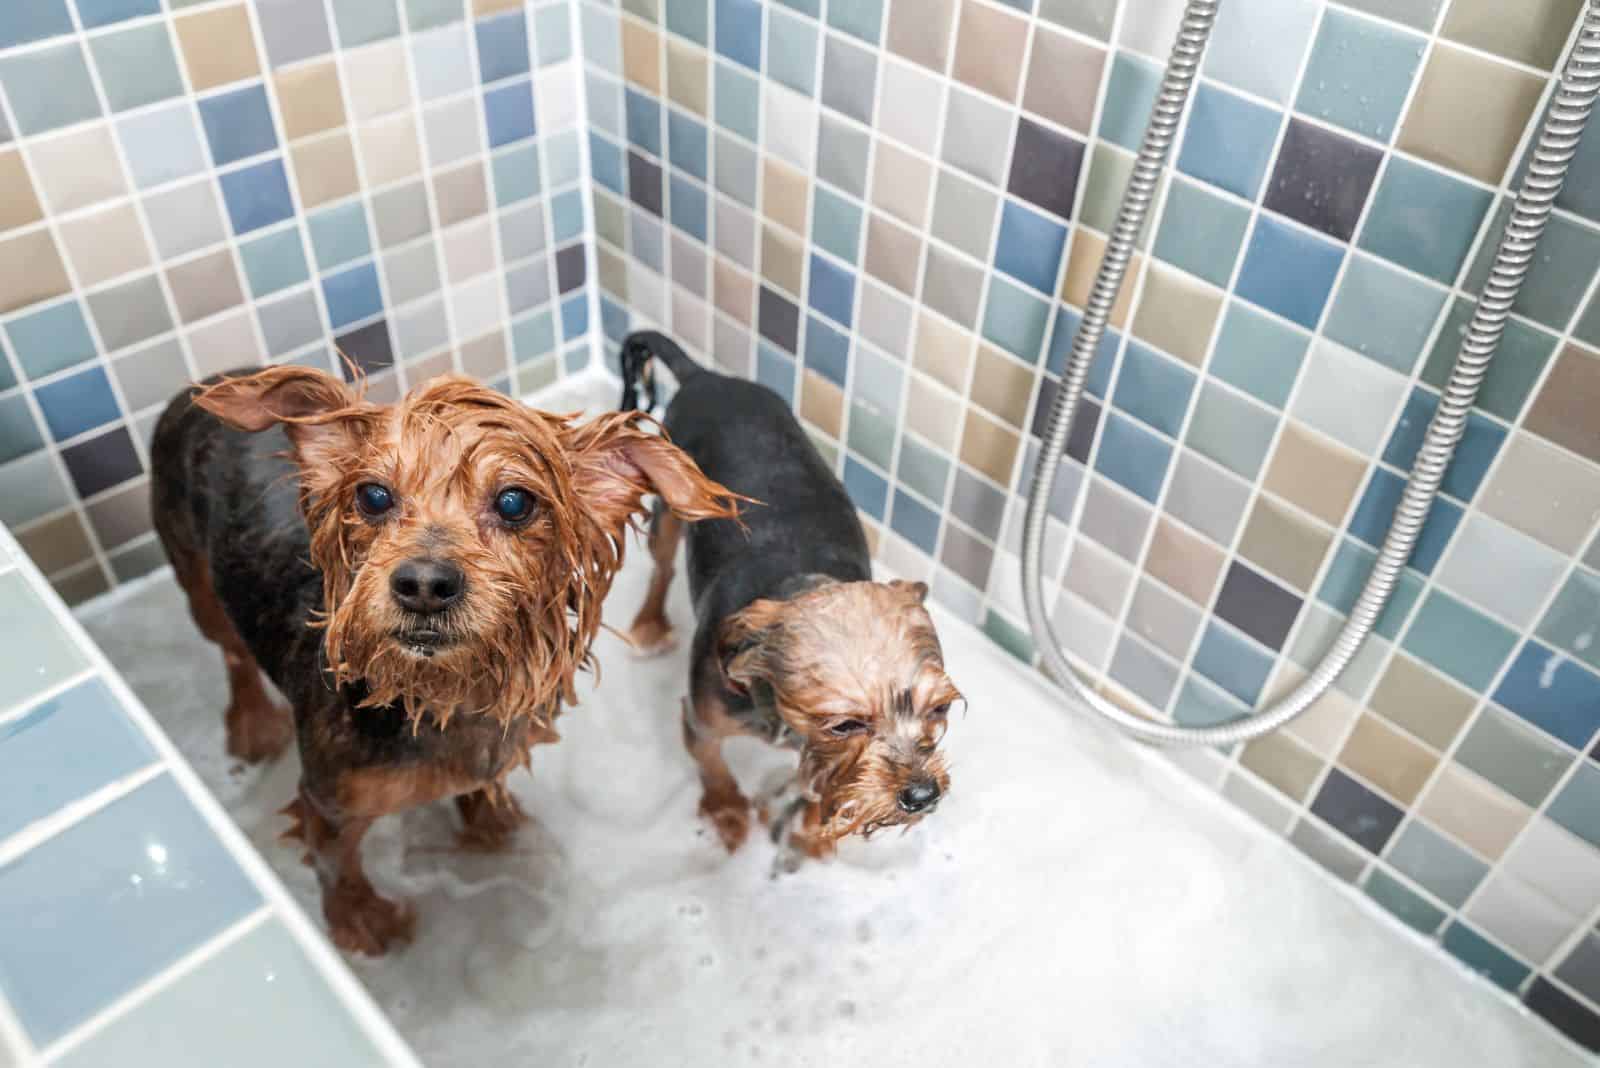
<point x="1074" y="901"/>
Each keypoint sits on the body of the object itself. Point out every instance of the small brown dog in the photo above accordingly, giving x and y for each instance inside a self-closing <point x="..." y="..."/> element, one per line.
<point x="421" y="580"/>
<point x="794" y="642"/>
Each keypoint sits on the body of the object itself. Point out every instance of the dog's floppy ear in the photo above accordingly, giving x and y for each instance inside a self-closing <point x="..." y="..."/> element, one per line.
<point x="321" y="415"/>
<point x="616" y="464"/>
<point x="743" y="642"/>
<point x="917" y="591"/>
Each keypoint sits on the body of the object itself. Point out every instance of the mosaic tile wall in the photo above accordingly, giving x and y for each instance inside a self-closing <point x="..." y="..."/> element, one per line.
<point x="890" y="210"/>
<point x="188" y="187"/>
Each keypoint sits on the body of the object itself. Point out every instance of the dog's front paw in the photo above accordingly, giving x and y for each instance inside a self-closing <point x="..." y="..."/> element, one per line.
<point x="729" y="817"/>
<point x="363" y="922"/>
<point x="258" y="733"/>
<point x="652" y="638"/>
<point x="488" y="822"/>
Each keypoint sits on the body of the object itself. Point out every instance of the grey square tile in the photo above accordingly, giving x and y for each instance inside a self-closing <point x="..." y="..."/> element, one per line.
<point x="952" y="285"/>
<point x="885" y="319"/>
<point x="689" y="264"/>
<point x="977" y="504"/>
<point x="1087" y="633"/>
<point x="1144" y="671"/>
<point x="967" y="555"/>
<point x="185" y="219"/>
<point x="963" y="214"/>
<point x="1348" y="397"/>
<point x="401" y="214"/>
<point x="411" y="272"/>
<point x="293" y="29"/>
<point x="1581" y="969"/>
<point x="1163" y="619"/>
<point x="1520" y="917"/>
<point x="842" y="156"/>
<point x="151" y="375"/>
<point x="1500" y="568"/>
<point x="735" y="230"/>
<point x="910" y="109"/>
<point x="1438" y="863"/>
<point x="849" y="79"/>
<point x="1521" y="760"/>
<point x="1558" y="864"/>
<point x="29" y="488"/>
<point x="977" y="133"/>
<point x="290" y="323"/>
<point x="130" y="312"/>
<point x="1115" y="520"/>
<point x="528" y="285"/>
<point x="1091" y="17"/>
<point x="1207" y="498"/>
<point x="422" y="329"/>
<point x="736" y="170"/>
<point x="121" y="516"/>
<point x="522" y="233"/>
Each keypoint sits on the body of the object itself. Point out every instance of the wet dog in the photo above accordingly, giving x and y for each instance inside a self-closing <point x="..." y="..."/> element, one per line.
<point x="421" y="580"/>
<point x="794" y="643"/>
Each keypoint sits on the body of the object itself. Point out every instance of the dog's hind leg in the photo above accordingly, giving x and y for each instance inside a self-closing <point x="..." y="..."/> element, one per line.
<point x="258" y="729"/>
<point x="489" y="818"/>
<point x="651" y="632"/>
<point x="706" y="725"/>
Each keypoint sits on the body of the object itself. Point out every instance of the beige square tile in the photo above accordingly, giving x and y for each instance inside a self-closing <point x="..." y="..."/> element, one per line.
<point x="376" y="79"/>
<point x="933" y="413"/>
<point x="461" y="194"/>
<point x="893" y="253"/>
<point x="1184" y="561"/>
<point x="901" y="184"/>
<point x="105" y="244"/>
<point x="1565" y="409"/>
<point x="480" y="8"/>
<point x="325" y="168"/>
<point x="733" y="291"/>
<point x="468" y="251"/>
<point x="1284" y="763"/>
<point x="822" y="403"/>
<point x="30" y="270"/>
<point x="204" y="286"/>
<point x="218" y="47"/>
<point x="1176" y="313"/>
<point x="613" y="270"/>
<point x="686" y="75"/>
<point x="1414" y="697"/>
<point x="309" y="99"/>
<point x="943" y="352"/>
<point x="1063" y="79"/>
<point x="1388" y="759"/>
<point x="989" y="447"/>
<point x="1083" y="260"/>
<point x="1468" y="113"/>
<point x="919" y="30"/>
<point x="19" y="206"/>
<point x="641" y="56"/>
<point x="1099" y="577"/>
<point x="782" y="259"/>
<point x="76" y="169"/>
<point x="485" y="357"/>
<point x="1284" y="543"/>
<point x="1543" y="492"/>
<point x="1313" y="473"/>
<point x="224" y="344"/>
<point x="1528" y="31"/>
<point x="785" y="193"/>
<point x="389" y="150"/>
<point x="1324" y="726"/>
<point x="989" y="49"/>
<point x="1483" y="816"/>
<point x="57" y="543"/>
<point x="1002" y="386"/>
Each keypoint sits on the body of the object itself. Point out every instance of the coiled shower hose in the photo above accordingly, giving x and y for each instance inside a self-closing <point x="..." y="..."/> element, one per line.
<point x="1558" y="141"/>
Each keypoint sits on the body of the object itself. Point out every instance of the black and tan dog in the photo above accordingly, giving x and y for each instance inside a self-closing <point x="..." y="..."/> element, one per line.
<point x="794" y="643"/>
<point x="421" y="580"/>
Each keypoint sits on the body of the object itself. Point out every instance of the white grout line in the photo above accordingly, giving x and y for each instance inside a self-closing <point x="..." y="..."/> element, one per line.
<point x="74" y="812"/>
<point x="12" y="1037"/>
<point x="33" y="701"/>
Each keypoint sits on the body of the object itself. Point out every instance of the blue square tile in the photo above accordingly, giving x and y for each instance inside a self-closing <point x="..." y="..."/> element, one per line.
<point x="605" y="162"/>
<point x="1347" y="575"/>
<point x="1203" y="705"/>
<point x="257" y="196"/>
<point x="136" y="66"/>
<point x="738" y="102"/>
<point x="836" y="224"/>
<point x="352" y="294"/>
<point x="104" y="12"/>
<point x="687" y="144"/>
<point x="1029" y="248"/>
<point x="827" y="351"/>
<point x="1424" y="219"/>
<point x="508" y="112"/>
<point x="1105" y="353"/>
<point x="1459" y="640"/>
<point x="1372" y="517"/>
<point x="77" y="403"/>
<point x="566" y="215"/>
<point x="1130" y="93"/>
<point x="516" y="172"/>
<point x="1235" y="54"/>
<point x="1258" y="354"/>
<point x="1201" y="232"/>
<point x="1153" y="388"/>
<point x="915" y="521"/>
<point x="1555" y="694"/>
<point x="738" y="31"/>
<point x="879" y="381"/>
<point x="1015" y="320"/>
<point x="503" y="46"/>
<point x="775" y="370"/>
<point x="1569" y="621"/>
<point x="1484" y="957"/>
<point x="363" y="21"/>
<point x="1479" y="445"/>
<point x="792" y="52"/>
<point x="1384" y="314"/>
<point x="689" y="18"/>
<point x="51" y="340"/>
<point x="644" y="121"/>
<point x="1577" y="806"/>
<point x="339" y="235"/>
<point x="1569" y="253"/>
<point x="833" y="290"/>
<point x="162" y="145"/>
<point x="71" y="96"/>
<point x="1233" y="662"/>
<point x="859" y="18"/>
<point x="238" y="124"/>
<point x="687" y="207"/>
<point x="1229" y="141"/>
<point x="33" y="20"/>
<point x="1289" y="271"/>
<point x="19" y="435"/>
<point x="574" y="317"/>
<point x="868" y="490"/>
<point x="73" y="937"/>
<point x="274" y="262"/>
<point x="923" y="469"/>
<point x="808" y="7"/>
<point x="1230" y="430"/>
<point x="1133" y="457"/>
<point x="442" y="59"/>
<point x="63" y="749"/>
<point x="552" y="34"/>
<point x="1359" y="73"/>
<point x="421" y="14"/>
<point x="533" y="337"/>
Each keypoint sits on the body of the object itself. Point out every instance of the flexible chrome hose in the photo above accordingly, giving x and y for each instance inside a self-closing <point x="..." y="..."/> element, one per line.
<point x="1558" y="141"/>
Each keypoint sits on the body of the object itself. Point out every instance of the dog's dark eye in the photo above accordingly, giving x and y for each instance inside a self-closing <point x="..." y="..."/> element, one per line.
<point x="373" y="500"/>
<point x="514" y="505"/>
<point x="939" y="711"/>
<point x="846" y="728"/>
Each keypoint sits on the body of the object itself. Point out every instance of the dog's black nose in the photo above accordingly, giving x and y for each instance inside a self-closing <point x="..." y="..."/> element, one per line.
<point x="919" y="795"/>
<point x="426" y="586"/>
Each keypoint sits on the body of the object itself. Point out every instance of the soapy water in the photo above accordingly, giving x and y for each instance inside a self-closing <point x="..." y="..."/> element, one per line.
<point x="1074" y="901"/>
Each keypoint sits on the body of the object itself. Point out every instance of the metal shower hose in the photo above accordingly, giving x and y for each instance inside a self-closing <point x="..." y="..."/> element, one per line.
<point x="1558" y="141"/>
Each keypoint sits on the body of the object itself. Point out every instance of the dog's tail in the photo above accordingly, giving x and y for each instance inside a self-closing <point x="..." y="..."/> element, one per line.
<point x="638" y="349"/>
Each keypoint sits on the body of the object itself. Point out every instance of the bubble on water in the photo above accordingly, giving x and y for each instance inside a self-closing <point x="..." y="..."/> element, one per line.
<point x="784" y="1026"/>
<point x="705" y="960"/>
<point x="864" y="932"/>
<point x="1583" y="641"/>
<point x="846" y="1009"/>
<point x="582" y="1059"/>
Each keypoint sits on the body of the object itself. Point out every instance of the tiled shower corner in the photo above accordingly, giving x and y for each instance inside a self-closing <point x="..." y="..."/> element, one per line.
<point x="190" y="187"/>
<point x="891" y="212"/>
<point x="131" y="909"/>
